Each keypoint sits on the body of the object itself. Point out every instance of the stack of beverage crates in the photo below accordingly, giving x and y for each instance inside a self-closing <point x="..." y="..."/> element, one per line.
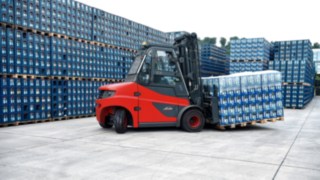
<point x="67" y="48"/>
<point x="316" y="59"/>
<point x="176" y="34"/>
<point x="317" y="87"/>
<point x="249" y="55"/>
<point x="294" y="60"/>
<point x="247" y="97"/>
<point x="214" y="61"/>
<point x="25" y="99"/>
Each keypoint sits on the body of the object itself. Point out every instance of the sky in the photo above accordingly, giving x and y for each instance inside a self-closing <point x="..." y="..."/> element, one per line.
<point x="274" y="20"/>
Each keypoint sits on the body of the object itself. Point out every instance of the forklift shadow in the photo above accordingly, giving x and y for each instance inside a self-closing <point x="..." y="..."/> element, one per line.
<point x="207" y="128"/>
<point x="153" y="129"/>
<point x="239" y="129"/>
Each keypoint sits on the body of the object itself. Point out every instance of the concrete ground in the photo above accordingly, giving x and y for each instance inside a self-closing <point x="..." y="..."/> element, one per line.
<point x="80" y="149"/>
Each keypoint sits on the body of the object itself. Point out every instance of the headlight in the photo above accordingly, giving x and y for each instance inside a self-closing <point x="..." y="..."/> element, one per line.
<point x="106" y="94"/>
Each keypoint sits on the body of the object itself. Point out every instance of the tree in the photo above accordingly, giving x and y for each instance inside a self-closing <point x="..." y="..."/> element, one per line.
<point x="208" y="40"/>
<point x="316" y="46"/>
<point x="223" y="41"/>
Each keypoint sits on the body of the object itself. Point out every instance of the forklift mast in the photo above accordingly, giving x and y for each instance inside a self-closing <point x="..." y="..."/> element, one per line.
<point x="187" y="51"/>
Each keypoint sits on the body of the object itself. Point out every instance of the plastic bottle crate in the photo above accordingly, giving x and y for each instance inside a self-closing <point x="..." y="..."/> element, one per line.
<point x="7" y="11"/>
<point x="41" y="55"/>
<point x="59" y="58"/>
<point x="247" y="97"/>
<point x="293" y="50"/>
<point x="59" y="98"/>
<point x="3" y="53"/>
<point x="4" y="111"/>
<point x="250" y="49"/>
<point x="10" y="51"/>
<point x="59" y="16"/>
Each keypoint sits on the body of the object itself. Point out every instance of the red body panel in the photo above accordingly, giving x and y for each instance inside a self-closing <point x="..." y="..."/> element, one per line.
<point x="149" y="113"/>
<point x="124" y="97"/>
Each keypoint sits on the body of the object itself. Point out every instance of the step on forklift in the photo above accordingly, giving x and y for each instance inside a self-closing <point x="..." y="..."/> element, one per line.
<point x="163" y="89"/>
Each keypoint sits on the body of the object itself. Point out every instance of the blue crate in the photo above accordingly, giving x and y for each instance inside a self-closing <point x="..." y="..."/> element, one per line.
<point x="247" y="97"/>
<point x="7" y="11"/>
<point x="10" y="50"/>
<point x="3" y="52"/>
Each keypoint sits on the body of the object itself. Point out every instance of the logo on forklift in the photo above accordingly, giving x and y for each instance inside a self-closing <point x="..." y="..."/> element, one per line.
<point x="168" y="108"/>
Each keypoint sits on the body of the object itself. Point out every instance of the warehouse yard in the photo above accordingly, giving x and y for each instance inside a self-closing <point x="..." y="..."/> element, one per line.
<point x="80" y="149"/>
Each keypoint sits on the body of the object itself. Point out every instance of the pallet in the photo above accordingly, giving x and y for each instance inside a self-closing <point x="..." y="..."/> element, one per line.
<point x="24" y="76"/>
<point x="6" y="75"/>
<point x="17" y="123"/>
<point x="296" y="84"/>
<point x="246" y="60"/>
<point x="59" y="118"/>
<point x="59" y="78"/>
<point x="245" y="124"/>
<point x="63" y="36"/>
<point x="295" y="107"/>
<point x="3" y="24"/>
<point x="9" y="124"/>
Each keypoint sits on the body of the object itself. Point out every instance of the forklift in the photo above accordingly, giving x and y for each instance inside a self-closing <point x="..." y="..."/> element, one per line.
<point x="163" y="88"/>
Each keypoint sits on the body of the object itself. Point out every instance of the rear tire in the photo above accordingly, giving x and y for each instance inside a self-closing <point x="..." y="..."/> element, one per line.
<point x="193" y="121"/>
<point x="120" y="121"/>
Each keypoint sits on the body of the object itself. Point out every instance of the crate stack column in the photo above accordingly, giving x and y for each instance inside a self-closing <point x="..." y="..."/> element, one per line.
<point x="294" y="60"/>
<point x="213" y="60"/>
<point x="47" y="44"/>
<point x="249" y="55"/>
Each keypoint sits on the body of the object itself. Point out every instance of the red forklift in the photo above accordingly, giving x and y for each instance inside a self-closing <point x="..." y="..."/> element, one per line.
<point x="163" y="89"/>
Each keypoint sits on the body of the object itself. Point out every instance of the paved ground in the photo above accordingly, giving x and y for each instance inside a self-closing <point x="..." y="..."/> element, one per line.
<point x="80" y="149"/>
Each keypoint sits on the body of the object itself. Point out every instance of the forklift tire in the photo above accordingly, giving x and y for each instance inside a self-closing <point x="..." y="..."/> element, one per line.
<point x="193" y="121"/>
<point x="107" y="123"/>
<point x="120" y="121"/>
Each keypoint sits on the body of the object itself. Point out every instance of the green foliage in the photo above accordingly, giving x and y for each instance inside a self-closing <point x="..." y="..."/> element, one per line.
<point x="316" y="46"/>
<point x="223" y="42"/>
<point x="208" y="40"/>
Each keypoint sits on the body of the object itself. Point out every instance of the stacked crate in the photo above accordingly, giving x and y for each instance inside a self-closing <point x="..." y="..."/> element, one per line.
<point x="249" y="55"/>
<point x="213" y="61"/>
<point x="56" y="53"/>
<point x="316" y="60"/>
<point x="176" y="34"/>
<point x="247" y="97"/>
<point x="294" y="60"/>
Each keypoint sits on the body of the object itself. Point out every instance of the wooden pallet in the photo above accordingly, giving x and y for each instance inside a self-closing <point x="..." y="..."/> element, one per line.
<point x="59" y="77"/>
<point x="245" y="124"/>
<point x="24" y="76"/>
<point x="247" y="61"/>
<point x="45" y="120"/>
<point x="296" y="84"/>
<point x="63" y="36"/>
<point x="9" y="124"/>
<point x="3" y="24"/>
<point x="60" y="118"/>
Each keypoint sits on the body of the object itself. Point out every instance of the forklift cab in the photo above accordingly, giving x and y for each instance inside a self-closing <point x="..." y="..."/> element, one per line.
<point x="158" y="68"/>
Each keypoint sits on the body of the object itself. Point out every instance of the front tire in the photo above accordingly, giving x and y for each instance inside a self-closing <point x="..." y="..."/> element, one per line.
<point x="120" y="121"/>
<point x="193" y="121"/>
<point x="107" y="123"/>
